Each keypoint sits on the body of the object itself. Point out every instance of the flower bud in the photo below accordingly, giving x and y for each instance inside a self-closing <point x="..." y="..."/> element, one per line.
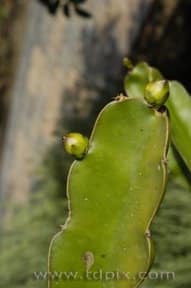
<point x="128" y="63"/>
<point x="76" y="144"/>
<point x="157" y="93"/>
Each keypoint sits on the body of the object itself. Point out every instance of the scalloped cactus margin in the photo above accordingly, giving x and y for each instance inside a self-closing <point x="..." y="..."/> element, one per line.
<point x="113" y="195"/>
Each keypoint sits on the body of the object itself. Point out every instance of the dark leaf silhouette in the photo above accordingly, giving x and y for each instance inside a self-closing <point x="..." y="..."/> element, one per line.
<point x="54" y="5"/>
<point x="78" y="1"/>
<point x="66" y="10"/>
<point x="82" y="12"/>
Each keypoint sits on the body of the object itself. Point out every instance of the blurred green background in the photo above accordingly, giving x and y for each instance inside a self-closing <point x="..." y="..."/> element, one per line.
<point x="57" y="70"/>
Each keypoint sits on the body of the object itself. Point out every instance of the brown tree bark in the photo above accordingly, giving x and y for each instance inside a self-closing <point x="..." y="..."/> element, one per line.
<point x="68" y="68"/>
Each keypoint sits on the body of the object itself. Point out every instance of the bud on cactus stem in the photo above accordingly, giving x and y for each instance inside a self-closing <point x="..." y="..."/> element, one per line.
<point x="157" y="93"/>
<point x="76" y="144"/>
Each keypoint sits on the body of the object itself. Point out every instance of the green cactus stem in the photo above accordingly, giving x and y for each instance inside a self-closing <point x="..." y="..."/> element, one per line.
<point x="113" y="195"/>
<point x="137" y="79"/>
<point x="178" y="104"/>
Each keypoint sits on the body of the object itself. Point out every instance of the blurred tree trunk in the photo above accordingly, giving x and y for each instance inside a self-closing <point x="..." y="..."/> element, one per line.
<point x="164" y="39"/>
<point x="69" y="67"/>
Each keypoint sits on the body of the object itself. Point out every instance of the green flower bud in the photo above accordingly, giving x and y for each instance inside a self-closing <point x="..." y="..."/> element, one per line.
<point x="128" y="63"/>
<point x="157" y="93"/>
<point x="76" y="144"/>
